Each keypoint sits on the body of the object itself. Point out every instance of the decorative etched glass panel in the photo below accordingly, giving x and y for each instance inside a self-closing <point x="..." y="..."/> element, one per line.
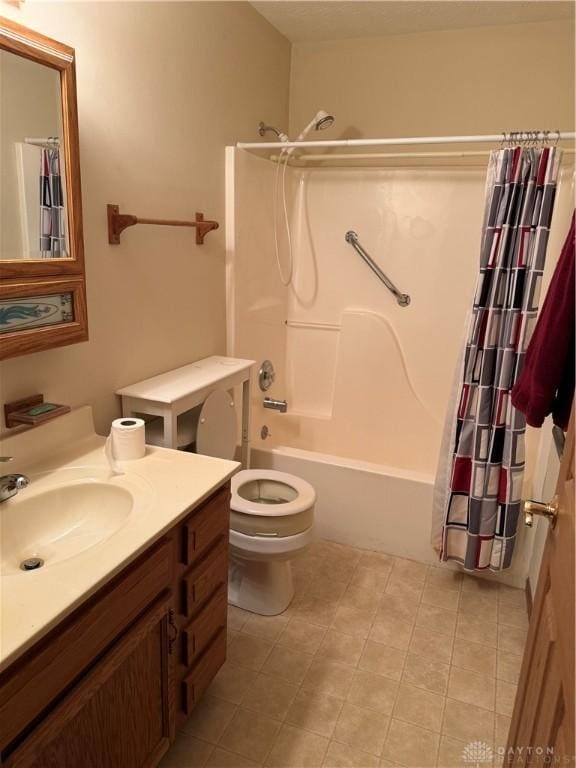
<point x="36" y="311"/>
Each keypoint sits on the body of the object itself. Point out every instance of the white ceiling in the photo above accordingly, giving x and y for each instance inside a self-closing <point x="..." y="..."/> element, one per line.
<point x="330" y="20"/>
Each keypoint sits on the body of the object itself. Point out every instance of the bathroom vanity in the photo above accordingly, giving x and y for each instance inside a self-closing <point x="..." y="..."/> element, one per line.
<point x="108" y="672"/>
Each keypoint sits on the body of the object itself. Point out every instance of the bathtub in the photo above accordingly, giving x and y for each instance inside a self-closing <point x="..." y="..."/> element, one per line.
<point x="367" y="505"/>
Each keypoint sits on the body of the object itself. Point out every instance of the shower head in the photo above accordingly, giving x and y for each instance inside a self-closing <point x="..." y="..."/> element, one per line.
<point x="319" y="122"/>
<point x="323" y="120"/>
<point x="263" y="130"/>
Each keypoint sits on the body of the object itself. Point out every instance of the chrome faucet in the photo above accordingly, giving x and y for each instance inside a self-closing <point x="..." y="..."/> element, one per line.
<point x="11" y="484"/>
<point x="275" y="405"/>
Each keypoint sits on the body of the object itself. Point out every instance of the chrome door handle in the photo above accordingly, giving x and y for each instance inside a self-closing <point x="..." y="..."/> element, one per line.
<point x="549" y="511"/>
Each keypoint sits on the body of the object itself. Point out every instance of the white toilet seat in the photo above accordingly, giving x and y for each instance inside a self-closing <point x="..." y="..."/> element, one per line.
<point x="304" y="499"/>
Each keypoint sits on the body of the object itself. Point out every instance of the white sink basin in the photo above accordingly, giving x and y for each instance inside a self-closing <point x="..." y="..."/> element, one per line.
<point x="59" y="523"/>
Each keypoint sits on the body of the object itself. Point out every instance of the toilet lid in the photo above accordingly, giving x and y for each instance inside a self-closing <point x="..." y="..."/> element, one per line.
<point x="216" y="435"/>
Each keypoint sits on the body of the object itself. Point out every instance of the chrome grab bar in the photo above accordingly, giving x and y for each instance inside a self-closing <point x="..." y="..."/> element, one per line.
<point x="402" y="298"/>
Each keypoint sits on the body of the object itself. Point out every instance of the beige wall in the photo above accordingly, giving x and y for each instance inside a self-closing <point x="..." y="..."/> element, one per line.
<point x="474" y="81"/>
<point x="162" y="88"/>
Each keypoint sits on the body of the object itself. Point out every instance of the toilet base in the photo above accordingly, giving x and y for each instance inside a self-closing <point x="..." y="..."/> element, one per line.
<point x="260" y="586"/>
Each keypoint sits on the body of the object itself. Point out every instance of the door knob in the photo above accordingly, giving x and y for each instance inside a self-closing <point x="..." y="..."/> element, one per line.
<point x="532" y="508"/>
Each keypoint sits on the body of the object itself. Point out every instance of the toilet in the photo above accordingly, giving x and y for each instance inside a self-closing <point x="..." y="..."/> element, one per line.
<point x="271" y="513"/>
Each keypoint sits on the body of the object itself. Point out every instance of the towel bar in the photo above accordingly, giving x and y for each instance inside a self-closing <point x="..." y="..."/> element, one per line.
<point x="117" y="223"/>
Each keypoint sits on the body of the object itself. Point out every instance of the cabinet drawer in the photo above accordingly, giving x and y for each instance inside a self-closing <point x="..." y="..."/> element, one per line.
<point x="205" y="578"/>
<point x="202" y="629"/>
<point x="194" y="685"/>
<point x="204" y="527"/>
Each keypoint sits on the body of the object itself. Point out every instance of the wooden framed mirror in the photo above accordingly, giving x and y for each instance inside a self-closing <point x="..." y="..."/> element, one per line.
<point x="41" y="238"/>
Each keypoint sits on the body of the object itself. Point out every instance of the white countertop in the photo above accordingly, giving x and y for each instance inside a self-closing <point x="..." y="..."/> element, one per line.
<point x="165" y="484"/>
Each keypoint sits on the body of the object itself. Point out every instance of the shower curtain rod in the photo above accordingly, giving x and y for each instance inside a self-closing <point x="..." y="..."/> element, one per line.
<point x="490" y="138"/>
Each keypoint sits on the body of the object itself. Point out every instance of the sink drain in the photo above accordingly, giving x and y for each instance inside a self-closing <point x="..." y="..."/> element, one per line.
<point x="31" y="563"/>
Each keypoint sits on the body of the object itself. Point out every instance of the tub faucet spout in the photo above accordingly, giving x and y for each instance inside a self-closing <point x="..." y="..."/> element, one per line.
<point x="275" y="405"/>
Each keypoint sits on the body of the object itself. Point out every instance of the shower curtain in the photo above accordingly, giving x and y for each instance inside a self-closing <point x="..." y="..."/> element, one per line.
<point x="477" y="495"/>
<point x="52" y="217"/>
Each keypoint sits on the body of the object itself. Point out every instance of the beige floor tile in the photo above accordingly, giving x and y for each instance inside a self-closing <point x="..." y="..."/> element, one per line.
<point x="296" y="748"/>
<point x="249" y="651"/>
<point x="436" y="619"/>
<point x="409" y="570"/>
<point x="310" y="562"/>
<point x="508" y="666"/>
<point x="511" y="639"/>
<point x="419" y="707"/>
<point x="365" y="598"/>
<point x="187" y="752"/>
<point x="287" y="664"/>
<point x="477" y="630"/>
<point x="329" y="678"/>
<point x="479" y="606"/>
<point x="408" y="590"/>
<point x="397" y="607"/>
<point x="230" y="635"/>
<point x="377" y="561"/>
<point x="467" y="722"/>
<point x="411" y="746"/>
<point x="316" y="610"/>
<point x="392" y="632"/>
<point x="444" y="577"/>
<point x="221" y="758"/>
<point x="373" y="691"/>
<point x="353" y="621"/>
<point x="370" y="579"/>
<point x="432" y="645"/>
<point x="345" y="756"/>
<point x="505" y="697"/>
<point x="269" y="696"/>
<point x="451" y="753"/>
<point x="512" y="617"/>
<point x="344" y="649"/>
<point x="512" y="597"/>
<point x="501" y="730"/>
<point x="361" y="728"/>
<point x="210" y="718"/>
<point x="382" y="659"/>
<point x="250" y="735"/>
<point x="302" y="636"/>
<point x="440" y="597"/>
<point x="474" y="657"/>
<point x="422" y="672"/>
<point x="266" y="627"/>
<point x="301" y="581"/>
<point x="314" y="712"/>
<point x="472" y="688"/>
<point x="324" y="586"/>
<point x="340" y="568"/>
<point x="231" y="682"/>
<point x="477" y="584"/>
<point x="237" y="617"/>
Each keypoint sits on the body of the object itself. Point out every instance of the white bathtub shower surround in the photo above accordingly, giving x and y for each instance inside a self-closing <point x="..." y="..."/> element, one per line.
<point x="367" y="382"/>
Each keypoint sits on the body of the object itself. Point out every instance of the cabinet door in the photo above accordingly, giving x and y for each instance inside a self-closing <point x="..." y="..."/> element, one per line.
<point x="119" y="715"/>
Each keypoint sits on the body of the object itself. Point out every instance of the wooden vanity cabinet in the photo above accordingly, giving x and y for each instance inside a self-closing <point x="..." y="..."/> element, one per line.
<point x="108" y="686"/>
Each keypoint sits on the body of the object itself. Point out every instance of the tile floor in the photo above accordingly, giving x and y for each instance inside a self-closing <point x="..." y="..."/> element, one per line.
<point x="379" y="661"/>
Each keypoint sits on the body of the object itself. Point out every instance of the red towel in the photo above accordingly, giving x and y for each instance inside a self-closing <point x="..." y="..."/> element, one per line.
<point x="546" y="383"/>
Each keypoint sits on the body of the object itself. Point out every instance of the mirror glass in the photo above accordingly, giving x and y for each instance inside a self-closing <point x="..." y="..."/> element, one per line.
<point x="33" y="220"/>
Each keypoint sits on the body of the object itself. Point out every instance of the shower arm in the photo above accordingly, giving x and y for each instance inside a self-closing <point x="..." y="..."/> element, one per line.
<point x="403" y="299"/>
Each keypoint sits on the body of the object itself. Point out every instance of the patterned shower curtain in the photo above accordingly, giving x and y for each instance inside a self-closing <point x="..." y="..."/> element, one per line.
<point x="478" y="493"/>
<point x="52" y="217"/>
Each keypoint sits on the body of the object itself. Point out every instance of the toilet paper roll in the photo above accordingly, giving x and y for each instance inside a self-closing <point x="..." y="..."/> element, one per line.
<point x="127" y="439"/>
